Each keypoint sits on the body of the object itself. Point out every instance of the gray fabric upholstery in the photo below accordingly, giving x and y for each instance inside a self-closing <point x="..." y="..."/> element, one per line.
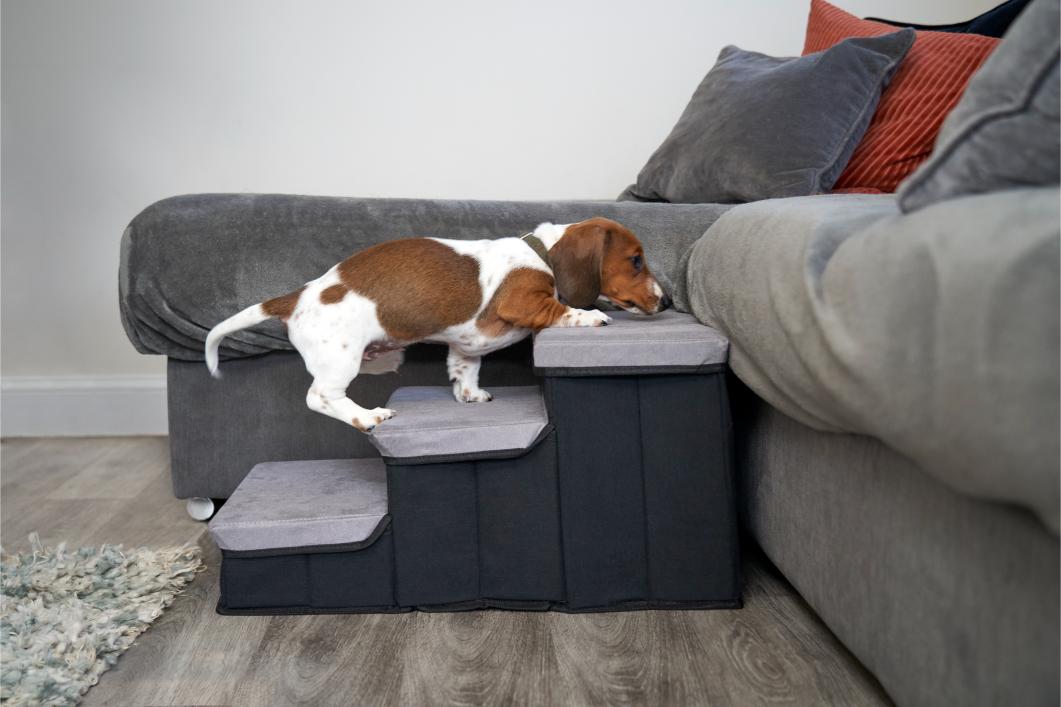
<point x="1004" y="132"/>
<point x="190" y="261"/>
<point x="760" y="127"/>
<point x="219" y="429"/>
<point x="935" y="332"/>
<point x="948" y="600"/>
<point x="632" y="341"/>
<point x="430" y="422"/>
<point x="300" y="504"/>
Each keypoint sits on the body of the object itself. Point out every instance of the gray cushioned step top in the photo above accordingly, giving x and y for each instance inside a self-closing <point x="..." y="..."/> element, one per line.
<point x="284" y="505"/>
<point x="632" y="343"/>
<point x="431" y="423"/>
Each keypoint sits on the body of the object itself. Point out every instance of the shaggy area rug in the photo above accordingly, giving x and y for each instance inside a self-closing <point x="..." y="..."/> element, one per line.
<point x="66" y="615"/>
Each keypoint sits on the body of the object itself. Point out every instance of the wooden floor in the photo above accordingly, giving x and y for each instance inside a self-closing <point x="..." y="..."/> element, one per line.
<point x="88" y="491"/>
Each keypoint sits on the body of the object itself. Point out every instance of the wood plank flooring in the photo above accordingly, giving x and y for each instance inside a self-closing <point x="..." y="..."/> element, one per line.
<point x="89" y="491"/>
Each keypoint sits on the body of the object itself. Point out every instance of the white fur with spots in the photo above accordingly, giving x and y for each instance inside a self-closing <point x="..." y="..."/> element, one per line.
<point x="338" y="341"/>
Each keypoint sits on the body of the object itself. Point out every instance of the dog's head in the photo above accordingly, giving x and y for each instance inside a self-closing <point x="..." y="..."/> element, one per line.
<point x="601" y="259"/>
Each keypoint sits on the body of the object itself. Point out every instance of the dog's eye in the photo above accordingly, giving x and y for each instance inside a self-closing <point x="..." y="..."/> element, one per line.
<point x="636" y="260"/>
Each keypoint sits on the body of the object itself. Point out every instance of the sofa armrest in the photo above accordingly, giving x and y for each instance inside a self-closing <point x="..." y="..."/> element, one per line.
<point x="188" y="262"/>
<point x="935" y="332"/>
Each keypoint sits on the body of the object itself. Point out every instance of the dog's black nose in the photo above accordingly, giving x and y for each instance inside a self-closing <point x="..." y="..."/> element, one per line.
<point x="665" y="302"/>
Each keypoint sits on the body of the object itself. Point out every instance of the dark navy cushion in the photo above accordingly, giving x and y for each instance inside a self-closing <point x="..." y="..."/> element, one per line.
<point x="992" y="23"/>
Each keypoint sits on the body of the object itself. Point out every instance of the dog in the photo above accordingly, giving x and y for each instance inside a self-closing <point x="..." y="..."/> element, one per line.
<point x="475" y="296"/>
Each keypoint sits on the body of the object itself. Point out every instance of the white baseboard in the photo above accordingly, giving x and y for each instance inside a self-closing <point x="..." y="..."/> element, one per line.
<point x="82" y="406"/>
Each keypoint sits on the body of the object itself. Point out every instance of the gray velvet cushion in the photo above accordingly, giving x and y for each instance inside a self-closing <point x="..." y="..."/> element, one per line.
<point x="936" y="332"/>
<point x="1004" y="131"/>
<point x="667" y="339"/>
<point x="299" y="504"/>
<point x="190" y="261"/>
<point x="760" y="127"/>
<point x="430" y="422"/>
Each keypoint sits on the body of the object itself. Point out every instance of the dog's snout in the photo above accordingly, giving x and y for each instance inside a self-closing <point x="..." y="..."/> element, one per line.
<point x="665" y="302"/>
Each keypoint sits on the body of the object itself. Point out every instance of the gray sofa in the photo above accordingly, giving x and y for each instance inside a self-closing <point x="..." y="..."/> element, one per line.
<point x="897" y="426"/>
<point x="896" y="387"/>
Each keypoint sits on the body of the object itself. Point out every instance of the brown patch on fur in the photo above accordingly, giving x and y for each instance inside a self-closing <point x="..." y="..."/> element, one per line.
<point x="358" y="425"/>
<point x="596" y="257"/>
<point x="282" y="307"/>
<point x="333" y="294"/>
<point x="420" y="286"/>
<point x="524" y="299"/>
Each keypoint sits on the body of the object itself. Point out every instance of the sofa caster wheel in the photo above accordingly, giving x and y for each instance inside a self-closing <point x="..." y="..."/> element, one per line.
<point x="200" y="508"/>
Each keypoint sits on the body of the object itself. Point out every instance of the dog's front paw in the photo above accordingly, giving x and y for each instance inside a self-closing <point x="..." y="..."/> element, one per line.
<point x="476" y="395"/>
<point x="592" y="317"/>
<point x="584" y="317"/>
<point x="375" y="416"/>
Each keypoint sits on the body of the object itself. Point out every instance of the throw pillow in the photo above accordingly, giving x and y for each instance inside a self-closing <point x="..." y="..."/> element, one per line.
<point x="924" y="90"/>
<point x="1004" y="132"/>
<point x="760" y="127"/>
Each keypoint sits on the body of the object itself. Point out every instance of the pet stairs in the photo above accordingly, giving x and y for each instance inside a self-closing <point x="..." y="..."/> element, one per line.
<point x="609" y="487"/>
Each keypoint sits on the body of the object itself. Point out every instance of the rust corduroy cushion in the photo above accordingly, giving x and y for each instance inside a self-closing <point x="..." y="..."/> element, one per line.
<point x="925" y="88"/>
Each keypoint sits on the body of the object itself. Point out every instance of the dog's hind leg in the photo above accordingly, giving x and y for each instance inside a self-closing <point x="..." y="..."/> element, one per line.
<point x="332" y="337"/>
<point x="327" y="395"/>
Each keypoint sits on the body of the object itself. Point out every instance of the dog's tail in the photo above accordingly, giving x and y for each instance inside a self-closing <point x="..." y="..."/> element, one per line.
<point x="255" y="314"/>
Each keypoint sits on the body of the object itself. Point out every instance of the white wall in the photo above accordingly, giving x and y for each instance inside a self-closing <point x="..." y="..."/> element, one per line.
<point x="109" y="105"/>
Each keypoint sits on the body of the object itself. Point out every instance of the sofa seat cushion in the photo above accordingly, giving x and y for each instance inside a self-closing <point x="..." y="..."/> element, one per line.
<point x="901" y="568"/>
<point x="666" y="342"/>
<point x="282" y="505"/>
<point x="431" y="425"/>
<point x="935" y="332"/>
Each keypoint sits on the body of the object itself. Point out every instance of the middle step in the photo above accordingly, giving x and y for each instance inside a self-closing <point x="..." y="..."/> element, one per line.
<point x="475" y="486"/>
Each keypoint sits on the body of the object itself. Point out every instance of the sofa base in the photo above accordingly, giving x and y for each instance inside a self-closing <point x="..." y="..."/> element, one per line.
<point x="947" y="599"/>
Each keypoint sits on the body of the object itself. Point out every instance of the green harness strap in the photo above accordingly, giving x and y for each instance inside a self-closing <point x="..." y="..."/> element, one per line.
<point x="537" y="246"/>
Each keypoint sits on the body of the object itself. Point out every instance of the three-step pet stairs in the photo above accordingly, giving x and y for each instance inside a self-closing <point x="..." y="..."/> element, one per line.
<point x="608" y="488"/>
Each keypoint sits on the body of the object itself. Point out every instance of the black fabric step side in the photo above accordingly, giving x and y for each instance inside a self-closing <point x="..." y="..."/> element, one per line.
<point x="602" y="512"/>
<point x="436" y="532"/>
<point x="520" y="556"/>
<point x="317" y="580"/>
<point x="690" y="504"/>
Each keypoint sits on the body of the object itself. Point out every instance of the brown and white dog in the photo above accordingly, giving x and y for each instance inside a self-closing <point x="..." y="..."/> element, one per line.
<point x="475" y="296"/>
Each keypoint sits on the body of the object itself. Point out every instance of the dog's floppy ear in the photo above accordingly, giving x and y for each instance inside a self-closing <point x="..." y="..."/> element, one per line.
<point x="576" y="262"/>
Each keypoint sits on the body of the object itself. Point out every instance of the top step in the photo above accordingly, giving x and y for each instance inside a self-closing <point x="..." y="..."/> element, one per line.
<point x="633" y="344"/>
